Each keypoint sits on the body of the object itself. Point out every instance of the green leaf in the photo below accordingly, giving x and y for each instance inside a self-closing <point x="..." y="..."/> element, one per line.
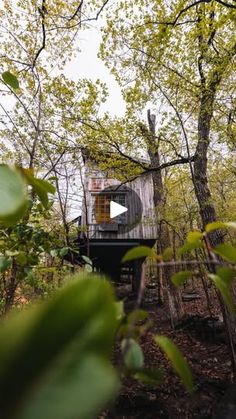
<point x="178" y="361"/>
<point x="47" y="347"/>
<point x="219" y="224"/>
<point x="120" y="312"/>
<point x="215" y="226"/>
<point x="77" y="387"/>
<point x="137" y="316"/>
<point x="13" y="219"/>
<point x="180" y="277"/>
<point x="226" y="274"/>
<point x="88" y="268"/>
<point x="133" y="354"/>
<point x="138" y="253"/>
<point x="226" y="251"/>
<point x="41" y="187"/>
<point x="4" y="264"/>
<point x="54" y="253"/>
<point x="150" y="377"/>
<point x="87" y="260"/>
<point x="10" y="79"/>
<point x="53" y="178"/>
<point x="167" y="254"/>
<point x="63" y="252"/>
<point x="189" y="247"/>
<point x="194" y="237"/>
<point x="13" y="195"/>
<point x="225" y="291"/>
<point x="21" y="258"/>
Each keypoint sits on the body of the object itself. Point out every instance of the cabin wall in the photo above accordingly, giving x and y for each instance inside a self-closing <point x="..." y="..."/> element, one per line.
<point x="142" y="186"/>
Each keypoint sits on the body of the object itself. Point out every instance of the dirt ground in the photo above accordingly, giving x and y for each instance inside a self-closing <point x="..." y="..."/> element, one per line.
<point x="207" y="354"/>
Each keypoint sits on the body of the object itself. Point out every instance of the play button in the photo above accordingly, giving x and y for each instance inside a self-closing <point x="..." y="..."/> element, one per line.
<point x="116" y="209"/>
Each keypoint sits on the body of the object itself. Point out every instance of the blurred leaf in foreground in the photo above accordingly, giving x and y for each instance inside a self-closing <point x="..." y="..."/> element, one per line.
<point x="138" y="253"/>
<point x="178" y="361"/>
<point x="13" y="195"/>
<point x="54" y="357"/>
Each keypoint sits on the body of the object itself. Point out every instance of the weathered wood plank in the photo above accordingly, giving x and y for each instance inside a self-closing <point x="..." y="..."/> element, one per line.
<point x="142" y="186"/>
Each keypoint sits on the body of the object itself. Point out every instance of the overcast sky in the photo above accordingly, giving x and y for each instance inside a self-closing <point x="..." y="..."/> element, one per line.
<point x="88" y="65"/>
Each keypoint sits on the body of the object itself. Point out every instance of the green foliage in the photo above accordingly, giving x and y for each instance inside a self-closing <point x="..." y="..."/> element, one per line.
<point x="226" y="251"/>
<point x="13" y="195"/>
<point x="119" y="305"/>
<point x="10" y="79"/>
<point x="194" y="237"/>
<point x="90" y="384"/>
<point x="87" y="259"/>
<point x="180" y="277"/>
<point x="64" y="251"/>
<point x="55" y="356"/>
<point x="167" y="254"/>
<point x="133" y="355"/>
<point x="133" y="325"/>
<point x="226" y="274"/>
<point x="151" y="377"/>
<point x="178" y="361"/>
<point x="88" y="263"/>
<point x="82" y="392"/>
<point x="138" y="253"/>
<point x="29" y="243"/>
<point x="80" y="371"/>
<point x="223" y="280"/>
<point x="137" y="316"/>
<point x="193" y="242"/>
<point x="4" y="264"/>
<point x="133" y="358"/>
<point x="40" y="186"/>
<point x="218" y="225"/>
<point x="60" y="253"/>
<point x="188" y="247"/>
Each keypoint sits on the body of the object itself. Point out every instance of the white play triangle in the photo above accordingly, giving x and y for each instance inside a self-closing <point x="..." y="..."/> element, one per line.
<point x="116" y="209"/>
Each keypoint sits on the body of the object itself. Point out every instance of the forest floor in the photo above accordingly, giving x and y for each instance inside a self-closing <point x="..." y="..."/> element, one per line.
<point x="207" y="354"/>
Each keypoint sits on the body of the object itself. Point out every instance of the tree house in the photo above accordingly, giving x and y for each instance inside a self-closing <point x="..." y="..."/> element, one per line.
<point x="106" y="240"/>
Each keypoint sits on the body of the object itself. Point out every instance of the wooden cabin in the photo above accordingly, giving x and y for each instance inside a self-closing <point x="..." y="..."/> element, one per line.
<point x="106" y="240"/>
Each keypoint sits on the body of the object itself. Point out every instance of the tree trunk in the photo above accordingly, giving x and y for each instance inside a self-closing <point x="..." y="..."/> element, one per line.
<point x="174" y="297"/>
<point x="10" y="288"/>
<point x="203" y="195"/>
<point x="202" y="191"/>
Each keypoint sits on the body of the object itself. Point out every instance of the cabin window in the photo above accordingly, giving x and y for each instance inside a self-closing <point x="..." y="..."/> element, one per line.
<point x="96" y="184"/>
<point x="102" y="208"/>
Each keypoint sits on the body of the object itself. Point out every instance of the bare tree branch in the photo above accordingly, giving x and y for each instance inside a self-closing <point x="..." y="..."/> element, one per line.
<point x="231" y="6"/>
<point x="42" y="11"/>
<point x="98" y="13"/>
<point x="162" y="166"/>
<point x="54" y="164"/>
<point x="77" y="11"/>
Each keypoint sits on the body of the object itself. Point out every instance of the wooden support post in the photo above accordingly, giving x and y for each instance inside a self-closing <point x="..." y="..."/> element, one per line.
<point x="136" y="275"/>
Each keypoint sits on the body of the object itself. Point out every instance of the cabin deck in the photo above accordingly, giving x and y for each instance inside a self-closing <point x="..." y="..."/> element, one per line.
<point x="106" y="256"/>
